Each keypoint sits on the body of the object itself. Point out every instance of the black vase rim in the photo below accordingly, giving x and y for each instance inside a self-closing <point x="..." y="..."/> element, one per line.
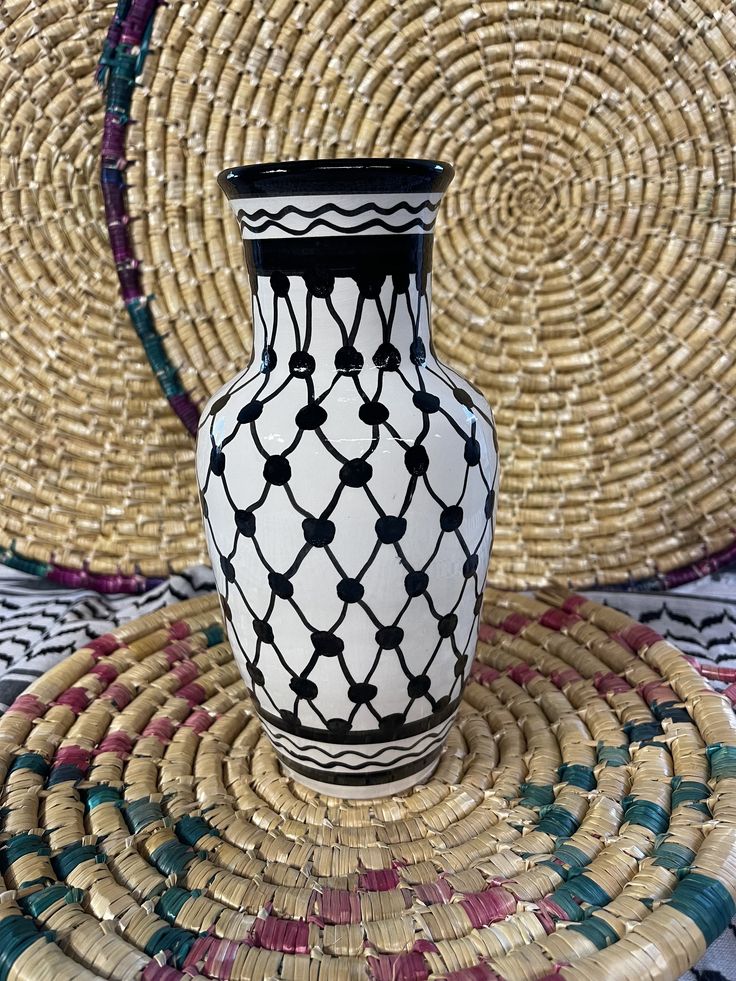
<point x="337" y="175"/>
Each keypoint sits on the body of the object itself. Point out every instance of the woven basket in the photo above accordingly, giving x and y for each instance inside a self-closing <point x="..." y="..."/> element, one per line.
<point x="584" y="253"/>
<point x="96" y="475"/>
<point x="582" y="822"/>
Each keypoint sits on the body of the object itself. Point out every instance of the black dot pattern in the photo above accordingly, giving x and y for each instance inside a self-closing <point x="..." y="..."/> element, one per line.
<point x="401" y="355"/>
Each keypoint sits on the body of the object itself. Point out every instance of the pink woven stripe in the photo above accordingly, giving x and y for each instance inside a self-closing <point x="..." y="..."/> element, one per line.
<point x="106" y="644"/>
<point x="72" y="755"/>
<point x="434" y="892"/>
<point x="178" y="651"/>
<point x="484" y="908"/>
<point x="194" y="694"/>
<point x="185" y="671"/>
<point x="566" y="677"/>
<point x="338" y="906"/>
<point x="119" y="743"/>
<point x="481" y="972"/>
<point x="29" y="705"/>
<point x="486" y="632"/>
<point x="515" y="623"/>
<point x="160" y="728"/>
<point x="288" y="936"/>
<point x="199" y="721"/>
<point x="730" y="693"/>
<point x="522" y="674"/>
<point x="105" y="672"/>
<point x="178" y="630"/>
<point x="622" y="642"/>
<point x="610" y="682"/>
<point x="398" y="967"/>
<point x="639" y="636"/>
<point x="656" y="692"/>
<point x="483" y="674"/>
<point x="118" y="694"/>
<point x="378" y="880"/>
<point x="550" y="907"/>
<point x="154" y="972"/>
<point x="77" y="699"/>
<point x="559" y="619"/>
<point x="573" y="603"/>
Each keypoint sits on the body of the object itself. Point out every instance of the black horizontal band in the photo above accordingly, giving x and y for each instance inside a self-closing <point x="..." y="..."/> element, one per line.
<point x="340" y="255"/>
<point x="360" y="737"/>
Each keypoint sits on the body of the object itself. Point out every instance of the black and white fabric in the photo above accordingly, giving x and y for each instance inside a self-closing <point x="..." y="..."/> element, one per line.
<point x="40" y="624"/>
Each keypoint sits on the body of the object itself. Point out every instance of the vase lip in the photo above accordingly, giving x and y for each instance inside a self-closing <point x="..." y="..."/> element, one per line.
<point x="336" y="175"/>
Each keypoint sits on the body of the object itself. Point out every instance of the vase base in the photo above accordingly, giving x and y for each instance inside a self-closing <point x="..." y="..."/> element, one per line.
<point x="367" y="792"/>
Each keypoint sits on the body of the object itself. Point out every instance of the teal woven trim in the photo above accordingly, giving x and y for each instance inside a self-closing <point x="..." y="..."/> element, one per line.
<point x="37" y="903"/>
<point x="16" y="935"/>
<point x="172" y="939"/>
<point x="103" y="795"/>
<point x="722" y="760"/>
<point x="600" y="932"/>
<point x="142" y="813"/>
<point x="190" y="829"/>
<point x="690" y="791"/>
<point x="214" y="634"/>
<point x="557" y="821"/>
<point x="646" y="814"/>
<point x="19" y="846"/>
<point x="613" y="755"/>
<point x="173" y="858"/>
<point x="706" y="902"/>
<point x="577" y="775"/>
<point x="670" y="855"/>
<point x="536" y="795"/>
<point x="30" y="761"/>
<point x="570" y="855"/>
<point x="140" y="314"/>
<point x="669" y="710"/>
<point x="170" y="904"/>
<point x="641" y="732"/>
<point x="581" y="889"/>
<point x="72" y="856"/>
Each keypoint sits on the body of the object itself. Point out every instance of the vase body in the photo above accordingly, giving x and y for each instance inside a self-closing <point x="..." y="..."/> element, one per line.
<point x="347" y="477"/>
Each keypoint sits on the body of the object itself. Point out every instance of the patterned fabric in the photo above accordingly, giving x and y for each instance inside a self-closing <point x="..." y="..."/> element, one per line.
<point x="40" y="623"/>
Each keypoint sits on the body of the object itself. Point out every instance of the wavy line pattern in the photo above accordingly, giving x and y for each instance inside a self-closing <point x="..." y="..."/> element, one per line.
<point x="367" y="207"/>
<point x="345" y="229"/>
<point x="333" y="761"/>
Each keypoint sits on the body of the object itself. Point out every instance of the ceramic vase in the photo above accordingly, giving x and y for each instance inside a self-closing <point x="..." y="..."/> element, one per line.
<point x="348" y="477"/>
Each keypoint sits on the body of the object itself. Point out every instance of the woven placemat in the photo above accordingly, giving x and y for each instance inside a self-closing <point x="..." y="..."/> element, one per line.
<point x="582" y="822"/>
<point x="97" y="478"/>
<point x="584" y="253"/>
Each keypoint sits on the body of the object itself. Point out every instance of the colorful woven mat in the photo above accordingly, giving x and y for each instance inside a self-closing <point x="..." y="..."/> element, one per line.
<point x="582" y="822"/>
<point x="584" y="252"/>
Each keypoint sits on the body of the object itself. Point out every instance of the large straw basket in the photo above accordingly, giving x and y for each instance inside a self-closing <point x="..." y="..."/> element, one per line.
<point x="581" y="823"/>
<point x="584" y="255"/>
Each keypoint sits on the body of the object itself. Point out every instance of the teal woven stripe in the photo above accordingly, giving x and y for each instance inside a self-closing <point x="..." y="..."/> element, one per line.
<point x="600" y="932"/>
<point x="669" y="710"/>
<point x="191" y="829"/>
<point x="670" y="855"/>
<point x="706" y="902"/>
<point x="142" y="318"/>
<point x="536" y="795"/>
<point x="722" y="761"/>
<point x="582" y="888"/>
<point x="614" y="755"/>
<point x="557" y="821"/>
<point x="142" y="813"/>
<point x="214" y="634"/>
<point x="570" y="855"/>
<point x="16" y="935"/>
<point x="178" y="942"/>
<point x="173" y="858"/>
<point x="12" y="560"/>
<point x="641" y="732"/>
<point x="646" y="814"/>
<point x="72" y="856"/>
<point x="170" y="904"/>
<point x="103" y="795"/>
<point x="30" y="761"/>
<point x="684" y="791"/>
<point x="573" y="911"/>
<point x="38" y="902"/>
<point x="20" y="846"/>
<point x="577" y="775"/>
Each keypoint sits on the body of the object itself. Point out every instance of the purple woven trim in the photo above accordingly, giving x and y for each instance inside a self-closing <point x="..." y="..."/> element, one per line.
<point x="99" y="582"/>
<point x="706" y="567"/>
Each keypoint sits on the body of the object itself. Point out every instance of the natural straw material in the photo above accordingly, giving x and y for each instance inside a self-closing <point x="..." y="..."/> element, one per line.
<point x="94" y="468"/>
<point x="584" y="253"/>
<point x="581" y="824"/>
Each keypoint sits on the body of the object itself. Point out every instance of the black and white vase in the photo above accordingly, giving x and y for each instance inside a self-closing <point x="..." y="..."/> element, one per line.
<point x="348" y="478"/>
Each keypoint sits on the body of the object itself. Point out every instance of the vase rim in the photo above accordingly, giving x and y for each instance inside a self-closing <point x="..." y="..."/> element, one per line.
<point x="337" y="175"/>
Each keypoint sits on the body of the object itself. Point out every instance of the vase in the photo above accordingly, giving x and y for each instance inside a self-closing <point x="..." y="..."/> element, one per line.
<point x="347" y="477"/>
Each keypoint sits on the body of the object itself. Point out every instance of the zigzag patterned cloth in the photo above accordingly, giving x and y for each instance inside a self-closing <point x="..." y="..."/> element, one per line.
<point x="41" y="623"/>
